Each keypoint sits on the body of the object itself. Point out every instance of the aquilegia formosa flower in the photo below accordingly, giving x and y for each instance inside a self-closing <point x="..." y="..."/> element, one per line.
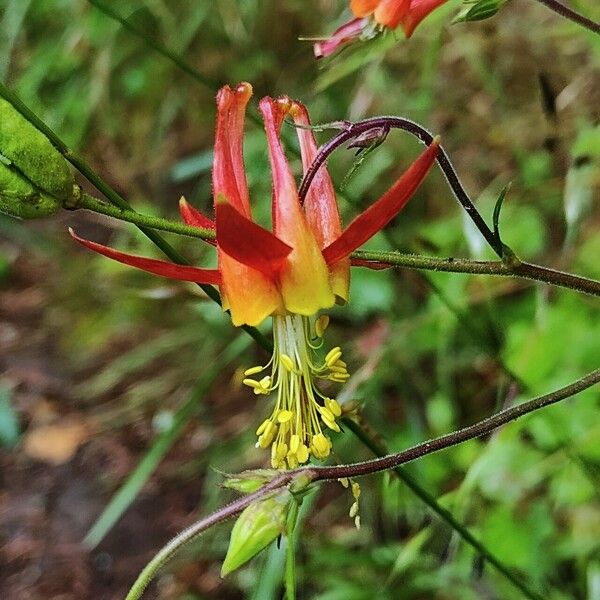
<point x="373" y="15"/>
<point x="292" y="273"/>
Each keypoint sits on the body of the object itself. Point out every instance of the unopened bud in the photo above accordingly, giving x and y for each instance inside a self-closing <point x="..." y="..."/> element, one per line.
<point x="249" y="481"/>
<point x="258" y="525"/>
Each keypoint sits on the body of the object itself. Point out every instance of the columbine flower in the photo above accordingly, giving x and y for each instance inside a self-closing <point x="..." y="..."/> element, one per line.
<point x="291" y="274"/>
<point x="373" y="15"/>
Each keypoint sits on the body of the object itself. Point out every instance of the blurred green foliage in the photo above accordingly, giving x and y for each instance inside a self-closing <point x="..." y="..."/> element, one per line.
<point x="431" y="351"/>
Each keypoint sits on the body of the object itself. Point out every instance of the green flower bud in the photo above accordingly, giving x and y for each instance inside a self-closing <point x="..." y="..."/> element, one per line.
<point x="32" y="154"/>
<point x="258" y="525"/>
<point x="18" y="198"/>
<point x="249" y="481"/>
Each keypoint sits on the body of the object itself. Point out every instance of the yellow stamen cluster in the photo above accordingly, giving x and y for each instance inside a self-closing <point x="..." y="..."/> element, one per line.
<point x="301" y="413"/>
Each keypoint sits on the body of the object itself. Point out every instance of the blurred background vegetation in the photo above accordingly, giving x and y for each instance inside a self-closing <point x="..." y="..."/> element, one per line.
<point x="108" y="373"/>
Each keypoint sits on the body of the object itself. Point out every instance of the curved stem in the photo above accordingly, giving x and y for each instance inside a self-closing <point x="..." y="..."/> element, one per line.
<point x="569" y="13"/>
<point x="456" y="437"/>
<point x="193" y="531"/>
<point x="384" y="124"/>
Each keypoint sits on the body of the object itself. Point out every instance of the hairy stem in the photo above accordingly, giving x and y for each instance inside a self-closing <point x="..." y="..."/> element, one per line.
<point x="130" y="216"/>
<point x="512" y="268"/>
<point x="456" y="437"/>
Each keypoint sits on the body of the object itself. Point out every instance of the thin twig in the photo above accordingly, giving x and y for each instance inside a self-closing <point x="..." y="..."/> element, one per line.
<point x="352" y="130"/>
<point x="569" y="13"/>
<point x="515" y="268"/>
<point x="456" y="437"/>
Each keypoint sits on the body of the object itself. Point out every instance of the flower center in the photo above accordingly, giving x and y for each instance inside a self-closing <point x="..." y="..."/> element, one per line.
<point x="301" y="413"/>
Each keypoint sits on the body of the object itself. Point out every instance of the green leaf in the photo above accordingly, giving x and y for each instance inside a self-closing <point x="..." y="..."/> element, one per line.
<point x="478" y="10"/>
<point x="258" y="525"/>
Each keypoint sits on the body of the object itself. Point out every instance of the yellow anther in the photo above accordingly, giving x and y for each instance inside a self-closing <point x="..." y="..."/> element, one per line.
<point x="356" y="490"/>
<point x="268" y="435"/>
<point x="331" y="423"/>
<point x="252" y="383"/>
<point x="336" y="369"/>
<point x="253" y="370"/>
<point x="281" y="451"/>
<point x="339" y="377"/>
<point x="326" y="413"/>
<point x="294" y="443"/>
<point x="262" y="426"/>
<point x="340" y="363"/>
<point x="344" y="481"/>
<point x="287" y="362"/>
<point x="283" y="416"/>
<point x="292" y="460"/>
<point x="321" y="325"/>
<point x="321" y="444"/>
<point x="357" y="521"/>
<point x="353" y="510"/>
<point x="333" y="356"/>
<point x="265" y="382"/>
<point x="333" y="406"/>
<point x="302" y="453"/>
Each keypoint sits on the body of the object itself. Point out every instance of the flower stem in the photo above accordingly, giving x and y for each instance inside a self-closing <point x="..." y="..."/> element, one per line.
<point x="512" y="268"/>
<point x="352" y="130"/>
<point x="456" y="437"/>
<point x="569" y="13"/>
<point x="92" y="203"/>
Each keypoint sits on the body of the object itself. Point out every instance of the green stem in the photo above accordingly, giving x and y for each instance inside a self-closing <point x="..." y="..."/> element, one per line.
<point x="290" y="552"/>
<point x="509" y="268"/>
<point x="95" y="205"/>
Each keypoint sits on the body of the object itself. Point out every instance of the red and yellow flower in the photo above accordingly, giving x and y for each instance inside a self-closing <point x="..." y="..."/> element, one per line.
<point x="291" y="273"/>
<point x="372" y="15"/>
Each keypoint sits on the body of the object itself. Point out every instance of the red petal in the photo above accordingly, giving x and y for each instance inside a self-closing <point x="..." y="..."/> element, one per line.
<point x="379" y="214"/>
<point x="389" y="13"/>
<point x="192" y="216"/>
<point x="228" y="173"/>
<point x="304" y="282"/>
<point x="320" y="206"/>
<point x="151" y="265"/>
<point x="419" y="9"/>
<point x="248" y="242"/>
